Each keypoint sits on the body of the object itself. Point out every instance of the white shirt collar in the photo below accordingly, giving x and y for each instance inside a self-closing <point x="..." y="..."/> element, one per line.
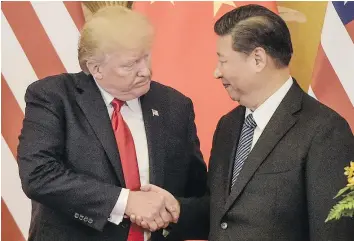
<point x="265" y="111"/>
<point x="133" y="104"/>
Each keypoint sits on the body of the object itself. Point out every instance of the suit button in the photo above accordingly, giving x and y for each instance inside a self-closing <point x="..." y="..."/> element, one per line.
<point x="90" y="221"/>
<point x="76" y="215"/>
<point x="81" y="217"/>
<point x="85" y="219"/>
<point x="223" y="225"/>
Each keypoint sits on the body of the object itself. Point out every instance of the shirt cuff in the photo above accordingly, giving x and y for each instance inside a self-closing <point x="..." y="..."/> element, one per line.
<point x="118" y="211"/>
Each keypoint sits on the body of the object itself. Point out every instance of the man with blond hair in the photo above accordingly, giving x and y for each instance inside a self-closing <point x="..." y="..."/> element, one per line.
<point x="90" y="140"/>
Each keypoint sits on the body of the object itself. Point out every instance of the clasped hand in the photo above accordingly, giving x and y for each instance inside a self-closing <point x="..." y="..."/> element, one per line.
<point x="152" y="208"/>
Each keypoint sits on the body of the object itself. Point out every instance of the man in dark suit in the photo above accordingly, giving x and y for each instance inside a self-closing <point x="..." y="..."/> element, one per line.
<point x="278" y="159"/>
<point x="91" y="139"/>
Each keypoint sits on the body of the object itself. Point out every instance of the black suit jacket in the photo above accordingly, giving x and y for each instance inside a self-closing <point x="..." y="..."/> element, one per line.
<point x="286" y="187"/>
<point x="69" y="163"/>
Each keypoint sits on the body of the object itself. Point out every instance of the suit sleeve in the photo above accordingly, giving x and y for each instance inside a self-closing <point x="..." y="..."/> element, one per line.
<point x="331" y="150"/>
<point x="193" y="222"/>
<point x="195" y="212"/>
<point x="43" y="171"/>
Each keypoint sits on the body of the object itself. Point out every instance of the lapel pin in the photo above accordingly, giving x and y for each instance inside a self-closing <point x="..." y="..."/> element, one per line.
<point x="155" y="112"/>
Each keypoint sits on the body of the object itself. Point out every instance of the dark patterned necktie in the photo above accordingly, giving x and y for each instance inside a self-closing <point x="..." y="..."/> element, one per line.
<point x="244" y="146"/>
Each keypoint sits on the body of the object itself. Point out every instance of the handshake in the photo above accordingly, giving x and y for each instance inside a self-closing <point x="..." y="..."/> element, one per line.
<point x="152" y="208"/>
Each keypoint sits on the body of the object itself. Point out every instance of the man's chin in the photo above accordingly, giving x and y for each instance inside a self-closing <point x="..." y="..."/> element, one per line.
<point x="136" y="93"/>
<point x="142" y="90"/>
<point x="234" y="97"/>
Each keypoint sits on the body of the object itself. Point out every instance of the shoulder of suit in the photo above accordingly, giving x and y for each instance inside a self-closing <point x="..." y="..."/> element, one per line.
<point x="231" y="116"/>
<point x="318" y="111"/>
<point x="234" y="111"/>
<point x="52" y="83"/>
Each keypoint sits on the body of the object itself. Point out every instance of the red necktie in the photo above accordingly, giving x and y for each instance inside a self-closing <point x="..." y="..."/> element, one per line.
<point x="128" y="159"/>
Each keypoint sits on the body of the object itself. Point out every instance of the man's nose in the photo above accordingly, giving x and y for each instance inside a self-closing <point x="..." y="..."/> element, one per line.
<point x="217" y="73"/>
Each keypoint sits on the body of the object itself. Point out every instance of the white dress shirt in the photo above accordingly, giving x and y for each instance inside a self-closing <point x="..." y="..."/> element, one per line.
<point x="133" y="116"/>
<point x="266" y="110"/>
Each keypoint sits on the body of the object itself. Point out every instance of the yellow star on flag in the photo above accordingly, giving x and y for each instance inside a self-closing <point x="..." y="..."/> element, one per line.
<point x="218" y="4"/>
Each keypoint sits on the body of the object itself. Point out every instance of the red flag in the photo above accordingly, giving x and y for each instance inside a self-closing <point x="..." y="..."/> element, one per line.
<point x="184" y="56"/>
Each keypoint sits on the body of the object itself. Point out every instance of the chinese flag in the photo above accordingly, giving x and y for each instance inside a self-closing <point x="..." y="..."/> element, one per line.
<point x="184" y="56"/>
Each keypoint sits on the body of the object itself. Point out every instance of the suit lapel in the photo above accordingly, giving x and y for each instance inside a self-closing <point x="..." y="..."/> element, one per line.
<point x="280" y="123"/>
<point x="91" y="103"/>
<point x="153" y="115"/>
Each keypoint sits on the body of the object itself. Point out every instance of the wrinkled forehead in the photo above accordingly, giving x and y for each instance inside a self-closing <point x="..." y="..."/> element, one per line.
<point x="126" y="55"/>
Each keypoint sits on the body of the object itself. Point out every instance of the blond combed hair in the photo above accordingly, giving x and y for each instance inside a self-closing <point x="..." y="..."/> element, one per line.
<point x="110" y="29"/>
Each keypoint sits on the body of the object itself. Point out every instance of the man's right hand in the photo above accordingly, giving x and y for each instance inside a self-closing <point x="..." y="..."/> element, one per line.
<point x="172" y="205"/>
<point x="150" y="206"/>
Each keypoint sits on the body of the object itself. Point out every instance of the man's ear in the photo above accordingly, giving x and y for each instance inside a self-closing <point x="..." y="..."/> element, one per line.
<point x="95" y="69"/>
<point x="259" y="59"/>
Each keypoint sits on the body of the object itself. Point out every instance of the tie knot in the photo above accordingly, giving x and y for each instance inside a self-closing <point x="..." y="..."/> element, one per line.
<point x="117" y="104"/>
<point x="250" y="122"/>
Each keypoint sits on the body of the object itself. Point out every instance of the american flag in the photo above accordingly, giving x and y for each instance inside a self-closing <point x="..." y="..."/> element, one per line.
<point x="333" y="76"/>
<point x="38" y="39"/>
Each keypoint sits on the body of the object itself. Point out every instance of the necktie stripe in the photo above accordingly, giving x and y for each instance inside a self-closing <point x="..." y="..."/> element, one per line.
<point x="244" y="146"/>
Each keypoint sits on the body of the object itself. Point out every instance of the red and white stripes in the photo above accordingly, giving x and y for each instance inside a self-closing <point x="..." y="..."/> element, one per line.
<point x="333" y="76"/>
<point x="38" y="39"/>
